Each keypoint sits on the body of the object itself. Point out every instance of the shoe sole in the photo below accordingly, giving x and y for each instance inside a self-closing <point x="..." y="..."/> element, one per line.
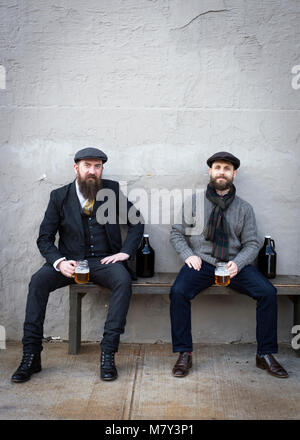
<point x="26" y="380"/>
<point x="180" y="375"/>
<point x="185" y="374"/>
<point x="270" y="372"/>
<point x="108" y="379"/>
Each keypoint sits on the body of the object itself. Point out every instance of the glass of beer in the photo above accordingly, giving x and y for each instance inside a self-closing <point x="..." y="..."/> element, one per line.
<point x="222" y="276"/>
<point x="82" y="272"/>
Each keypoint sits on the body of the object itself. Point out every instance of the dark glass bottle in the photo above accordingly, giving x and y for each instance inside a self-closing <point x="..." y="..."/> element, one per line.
<point x="145" y="257"/>
<point x="267" y="258"/>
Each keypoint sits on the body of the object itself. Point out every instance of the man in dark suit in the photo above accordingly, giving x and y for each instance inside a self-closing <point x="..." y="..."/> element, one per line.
<point x="75" y="212"/>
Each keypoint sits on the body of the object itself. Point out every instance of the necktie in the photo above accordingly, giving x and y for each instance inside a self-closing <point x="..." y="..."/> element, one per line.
<point x="88" y="207"/>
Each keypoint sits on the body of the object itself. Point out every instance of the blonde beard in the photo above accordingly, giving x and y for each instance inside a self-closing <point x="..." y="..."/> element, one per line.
<point x="226" y="186"/>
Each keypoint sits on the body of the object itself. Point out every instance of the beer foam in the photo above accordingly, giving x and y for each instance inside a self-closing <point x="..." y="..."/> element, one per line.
<point x="84" y="270"/>
<point x="221" y="271"/>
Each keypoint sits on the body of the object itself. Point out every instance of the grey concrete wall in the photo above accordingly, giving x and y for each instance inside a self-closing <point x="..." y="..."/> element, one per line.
<point x="160" y="86"/>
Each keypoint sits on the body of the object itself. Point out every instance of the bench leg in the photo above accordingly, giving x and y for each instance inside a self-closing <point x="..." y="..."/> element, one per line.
<point x="75" y="321"/>
<point x="297" y="315"/>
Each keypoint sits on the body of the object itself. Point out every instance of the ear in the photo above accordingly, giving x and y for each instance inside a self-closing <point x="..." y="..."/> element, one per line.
<point x="234" y="173"/>
<point x="76" y="168"/>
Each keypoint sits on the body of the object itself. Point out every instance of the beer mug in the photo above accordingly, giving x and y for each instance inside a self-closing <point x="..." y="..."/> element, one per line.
<point x="82" y="272"/>
<point x="222" y="276"/>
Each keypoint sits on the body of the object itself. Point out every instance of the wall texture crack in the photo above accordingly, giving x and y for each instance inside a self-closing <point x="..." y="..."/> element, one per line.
<point x="198" y="16"/>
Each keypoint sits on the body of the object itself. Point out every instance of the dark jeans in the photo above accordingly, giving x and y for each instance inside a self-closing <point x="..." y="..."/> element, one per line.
<point x="114" y="276"/>
<point x="248" y="281"/>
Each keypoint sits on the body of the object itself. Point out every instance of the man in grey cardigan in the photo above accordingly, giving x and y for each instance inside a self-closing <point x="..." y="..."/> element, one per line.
<point x="230" y="236"/>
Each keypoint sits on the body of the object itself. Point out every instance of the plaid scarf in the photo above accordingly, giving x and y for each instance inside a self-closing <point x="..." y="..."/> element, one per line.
<point x="217" y="228"/>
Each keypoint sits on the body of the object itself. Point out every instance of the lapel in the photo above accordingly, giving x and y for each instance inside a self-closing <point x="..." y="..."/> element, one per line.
<point x="74" y="209"/>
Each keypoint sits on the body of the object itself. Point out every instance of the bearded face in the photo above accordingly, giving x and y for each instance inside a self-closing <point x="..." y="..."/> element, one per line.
<point x="89" y="177"/>
<point x="222" y="175"/>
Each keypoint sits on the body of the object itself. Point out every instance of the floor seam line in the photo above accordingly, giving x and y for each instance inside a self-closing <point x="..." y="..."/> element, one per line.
<point x="134" y="382"/>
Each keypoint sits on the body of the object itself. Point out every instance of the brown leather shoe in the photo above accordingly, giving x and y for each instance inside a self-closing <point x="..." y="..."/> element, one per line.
<point x="269" y="363"/>
<point x="183" y="364"/>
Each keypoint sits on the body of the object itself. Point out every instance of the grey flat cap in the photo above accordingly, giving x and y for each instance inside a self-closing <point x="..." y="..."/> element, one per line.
<point x="223" y="155"/>
<point x="90" y="153"/>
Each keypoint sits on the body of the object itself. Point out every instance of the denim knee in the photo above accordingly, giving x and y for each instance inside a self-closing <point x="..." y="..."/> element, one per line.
<point x="271" y="290"/>
<point x="177" y="291"/>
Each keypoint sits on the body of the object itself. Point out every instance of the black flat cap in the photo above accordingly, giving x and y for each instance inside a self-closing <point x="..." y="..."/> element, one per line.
<point x="223" y="155"/>
<point x="90" y="153"/>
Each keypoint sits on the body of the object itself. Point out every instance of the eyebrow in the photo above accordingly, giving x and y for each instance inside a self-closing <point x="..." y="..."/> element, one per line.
<point x="90" y="163"/>
<point x="225" y="166"/>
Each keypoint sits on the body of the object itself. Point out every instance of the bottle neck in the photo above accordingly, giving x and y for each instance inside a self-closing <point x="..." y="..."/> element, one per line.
<point x="269" y="245"/>
<point x="267" y="241"/>
<point x="146" y="240"/>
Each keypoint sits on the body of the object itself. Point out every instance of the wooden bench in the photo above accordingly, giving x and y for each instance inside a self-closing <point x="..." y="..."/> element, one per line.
<point x="287" y="285"/>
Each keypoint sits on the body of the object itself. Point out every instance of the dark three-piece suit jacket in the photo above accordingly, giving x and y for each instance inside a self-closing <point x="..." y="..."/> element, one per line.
<point x="64" y="215"/>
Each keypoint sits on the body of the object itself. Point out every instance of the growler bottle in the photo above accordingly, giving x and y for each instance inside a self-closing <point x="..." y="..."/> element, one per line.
<point x="267" y="258"/>
<point x="145" y="259"/>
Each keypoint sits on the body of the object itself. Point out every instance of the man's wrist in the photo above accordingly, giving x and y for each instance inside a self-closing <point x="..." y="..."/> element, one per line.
<point x="56" y="263"/>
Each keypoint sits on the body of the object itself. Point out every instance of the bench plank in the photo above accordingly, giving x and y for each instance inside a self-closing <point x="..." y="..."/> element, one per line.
<point x="160" y="284"/>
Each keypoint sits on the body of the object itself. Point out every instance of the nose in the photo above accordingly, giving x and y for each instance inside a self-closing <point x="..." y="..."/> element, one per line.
<point x="92" y="170"/>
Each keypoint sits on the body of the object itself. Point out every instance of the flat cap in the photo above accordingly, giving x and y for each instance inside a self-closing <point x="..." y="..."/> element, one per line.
<point x="223" y="155"/>
<point x="90" y="153"/>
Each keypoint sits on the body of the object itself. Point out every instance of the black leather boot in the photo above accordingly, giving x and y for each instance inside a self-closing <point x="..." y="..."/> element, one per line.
<point x="31" y="363"/>
<point x="108" y="368"/>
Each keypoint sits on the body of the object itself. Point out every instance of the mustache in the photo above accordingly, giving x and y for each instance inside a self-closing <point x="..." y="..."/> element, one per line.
<point x="220" y="177"/>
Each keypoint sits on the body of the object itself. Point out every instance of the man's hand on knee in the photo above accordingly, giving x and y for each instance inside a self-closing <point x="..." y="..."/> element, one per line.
<point x="121" y="256"/>
<point x="194" y="262"/>
<point x="67" y="268"/>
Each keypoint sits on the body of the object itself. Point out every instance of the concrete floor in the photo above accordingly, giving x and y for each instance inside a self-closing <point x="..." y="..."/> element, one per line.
<point x="224" y="383"/>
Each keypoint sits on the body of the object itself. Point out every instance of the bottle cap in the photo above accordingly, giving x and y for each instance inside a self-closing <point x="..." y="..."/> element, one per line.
<point x="146" y="235"/>
<point x="267" y="236"/>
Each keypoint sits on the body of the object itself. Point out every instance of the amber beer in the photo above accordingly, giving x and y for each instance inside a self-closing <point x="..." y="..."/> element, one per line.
<point x="82" y="272"/>
<point x="222" y="276"/>
<point x="222" y="280"/>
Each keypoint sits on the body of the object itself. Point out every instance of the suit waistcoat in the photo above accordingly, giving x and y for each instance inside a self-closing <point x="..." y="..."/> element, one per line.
<point x="95" y="237"/>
